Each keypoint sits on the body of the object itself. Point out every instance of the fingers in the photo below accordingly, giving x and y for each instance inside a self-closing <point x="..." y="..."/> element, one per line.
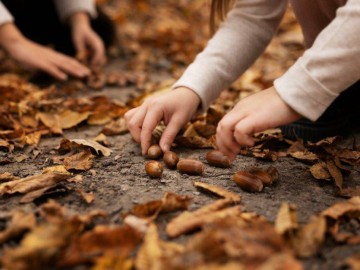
<point x="170" y="132"/>
<point x="152" y="118"/>
<point x="225" y="140"/>
<point x="98" y="48"/>
<point x="134" y="120"/>
<point x="79" y="45"/>
<point x="70" y="66"/>
<point x="244" y="131"/>
<point x="52" y="69"/>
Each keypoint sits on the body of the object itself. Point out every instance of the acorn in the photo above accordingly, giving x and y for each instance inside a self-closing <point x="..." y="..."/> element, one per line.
<point x="190" y="166"/>
<point x="154" y="152"/>
<point x="267" y="177"/>
<point x="218" y="159"/>
<point x="171" y="159"/>
<point x="154" y="168"/>
<point x="248" y="181"/>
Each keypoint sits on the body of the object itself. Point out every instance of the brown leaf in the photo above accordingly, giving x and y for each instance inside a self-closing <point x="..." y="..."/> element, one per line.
<point x="58" y="169"/>
<point x="281" y="261"/>
<point x="286" y="219"/>
<point x="69" y="118"/>
<point x="82" y="161"/>
<point x="32" y="183"/>
<point x="320" y="171"/>
<point x="190" y="221"/>
<point x="88" y="197"/>
<point x="32" y="138"/>
<point x="115" y="240"/>
<point x="51" y="121"/>
<point x="116" y="127"/>
<point x="155" y="254"/>
<point x="102" y="139"/>
<point x="7" y="177"/>
<point x="113" y="262"/>
<point x="19" y="224"/>
<point x="335" y="173"/>
<point x="33" y="195"/>
<point x="351" y="206"/>
<point x="67" y="145"/>
<point x="309" y="238"/>
<point x="218" y="191"/>
<point x="350" y="192"/>
<point x="169" y="203"/>
<point x="41" y="247"/>
<point x="196" y="142"/>
<point x="353" y="262"/>
<point x="305" y="156"/>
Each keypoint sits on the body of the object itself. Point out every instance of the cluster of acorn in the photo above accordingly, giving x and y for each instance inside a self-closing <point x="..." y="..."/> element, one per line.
<point x="252" y="180"/>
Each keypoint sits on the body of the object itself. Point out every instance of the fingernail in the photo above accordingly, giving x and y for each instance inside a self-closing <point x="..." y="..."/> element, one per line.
<point x="166" y="147"/>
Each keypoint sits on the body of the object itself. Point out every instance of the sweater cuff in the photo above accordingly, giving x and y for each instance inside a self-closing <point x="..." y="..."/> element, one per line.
<point x="66" y="8"/>
<point x="303" y="93"/>
<point x="5" y="15"/>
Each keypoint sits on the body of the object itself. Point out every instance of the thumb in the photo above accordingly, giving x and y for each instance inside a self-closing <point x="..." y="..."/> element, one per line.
<point x="80" y="47"/>
<point x="170" y="133"/>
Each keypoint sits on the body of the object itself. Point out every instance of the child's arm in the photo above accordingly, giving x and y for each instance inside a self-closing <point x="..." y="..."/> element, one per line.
<point x="36" y="56"/>
<point x="78" y="13"/>
<point x="239" y="41"/>
<point x="329" y="67"/>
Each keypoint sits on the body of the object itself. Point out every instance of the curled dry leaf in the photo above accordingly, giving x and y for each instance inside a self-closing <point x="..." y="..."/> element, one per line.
<point x="218" y="191"/>
<point x="67" y="145"/>
<point x="116" y="240"/>
<point x="88" y="197"/>
<point x="69" y="118"/>
<point x="82" y="161"/>
<point x="32" y="183"/>
<point x="190" y="221"/>
<point x="281" y="261"/>
<point x="319" y="171"/>
<point x="286" y="219"/>
<point x="310" y="237"/>
<point x="115" y="127"/>
<point x="335" y="173"/>
<point x="169" y="203"/>
<point x="156" y="254"/>
<point x="41" y="247"/>
<point x="51" y="121"/>
<point x="351" y="206"/>
<point x="102" y="139"/>
<point x="19" y="224"/>
<point x="7" y="177"/>
<point x="59" y="169"/>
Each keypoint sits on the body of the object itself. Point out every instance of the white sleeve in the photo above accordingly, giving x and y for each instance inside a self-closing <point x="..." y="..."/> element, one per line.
<point x="240" y="40"/>
<point x="5" y="15"/>
<point x="67" y="7"/>
<point x="326" y="69"/>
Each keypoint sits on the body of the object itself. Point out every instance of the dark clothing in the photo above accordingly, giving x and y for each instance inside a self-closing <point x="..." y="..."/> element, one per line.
<point x="39" y="21"/>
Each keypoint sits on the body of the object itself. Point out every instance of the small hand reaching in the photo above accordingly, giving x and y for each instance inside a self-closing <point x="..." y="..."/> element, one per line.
<point x="256" y="113"/>
<point x="175" y="108"/>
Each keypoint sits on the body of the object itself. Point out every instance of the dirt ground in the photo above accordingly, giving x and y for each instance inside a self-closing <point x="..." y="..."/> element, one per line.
<point x="120" y="183"/>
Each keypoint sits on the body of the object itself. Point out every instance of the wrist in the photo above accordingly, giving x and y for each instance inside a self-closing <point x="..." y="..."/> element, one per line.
<point x="189" y="94"/>
<point x="79" y="19"/>
<point x="10" y="35"/>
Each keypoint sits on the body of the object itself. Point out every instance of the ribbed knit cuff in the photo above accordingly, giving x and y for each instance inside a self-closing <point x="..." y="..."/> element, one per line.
<point x="67" y="7"/>
<point x="303" y="93"/>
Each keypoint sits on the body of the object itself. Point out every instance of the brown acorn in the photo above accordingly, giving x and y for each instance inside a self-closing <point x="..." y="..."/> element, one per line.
<point x="267" y="177"/>
<point x="190" y="166"/>
<point x="154" y="168"/>
<point x="171" y="159"/>
<point x="154" y="152"/>
<point x="218" y="159"/>
<point x="248" y="181"/>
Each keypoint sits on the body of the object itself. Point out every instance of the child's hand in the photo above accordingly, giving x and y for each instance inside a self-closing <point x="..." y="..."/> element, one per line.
<point x="176" y="108"/>
<point x="256" y="113"/>
<point x="40" y="57"/>
<point x="84" y="37"/>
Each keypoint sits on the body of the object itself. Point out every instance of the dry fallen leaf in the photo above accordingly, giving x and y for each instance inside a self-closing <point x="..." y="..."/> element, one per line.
<point x="88" y="197"/>
<point x="155" y="254"/>
<point x="320" y="171"/>
<point x="82" y="161"/>
<point x="98" y="148"/>
<point x="335" y="173"/>
<point x="218" y="191"/>
<point x="116" y="127"/>
<point x="19" y="224"/>
<point x="7" y="177"/>
<point x="286" y="219"/>
<point x="69" y="118"/>
<point x="190" y="221"/>
<point x="351" y="206"/>
<point x="169" y="203"/>
<point x="51" y="121"/>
